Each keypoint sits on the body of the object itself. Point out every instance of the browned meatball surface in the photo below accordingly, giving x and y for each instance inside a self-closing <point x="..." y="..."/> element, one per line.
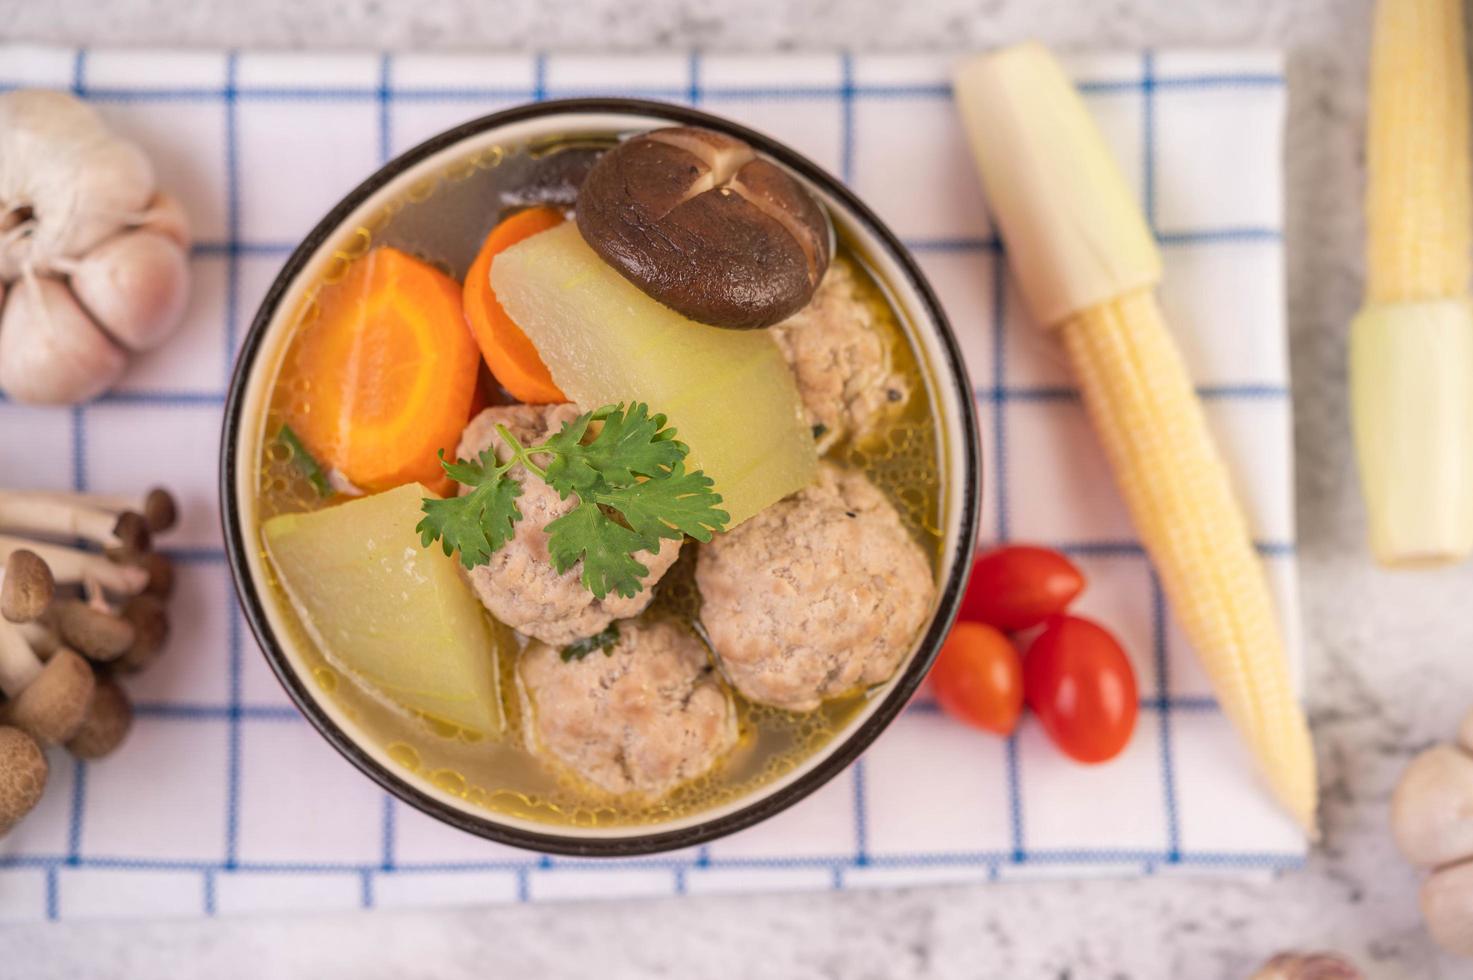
<point x="643" y="719"/>
<point x="840" y="358"/>
<point x="819" y="595"/>
<point x="519" y="585"/>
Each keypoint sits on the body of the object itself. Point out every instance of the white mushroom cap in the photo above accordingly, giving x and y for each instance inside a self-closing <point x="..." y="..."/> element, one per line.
<point x="136" y="284"/>
<point x="51" y="352"/>
<point x="1447" y="907"/>
<point x="1432" y="808"/>
<point x="23" y="772"/>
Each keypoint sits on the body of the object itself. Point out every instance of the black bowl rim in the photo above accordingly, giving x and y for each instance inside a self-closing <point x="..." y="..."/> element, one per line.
<point x="551" y="842"/>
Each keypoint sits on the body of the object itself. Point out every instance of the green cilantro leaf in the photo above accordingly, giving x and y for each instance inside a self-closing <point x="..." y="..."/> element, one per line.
<point x="631" y="444"/>
<point x="605" y="547"/>
<point x="603" y="640"/>
<point x="479" y="522"/>
<point x="631" y="487"/>
<point x="673" y="506"/>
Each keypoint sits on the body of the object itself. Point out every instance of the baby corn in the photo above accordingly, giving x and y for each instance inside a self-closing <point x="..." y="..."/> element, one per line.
<point x="1087" y="266"/>
<point x="1411" y="353"/>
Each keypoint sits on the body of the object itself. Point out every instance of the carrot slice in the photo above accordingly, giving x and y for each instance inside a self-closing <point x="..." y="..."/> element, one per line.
<point x="509" y="354"/>
<point x="386" y="372"/>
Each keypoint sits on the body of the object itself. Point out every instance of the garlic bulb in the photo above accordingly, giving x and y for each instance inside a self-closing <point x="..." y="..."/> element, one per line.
<point x="93" y="259"/>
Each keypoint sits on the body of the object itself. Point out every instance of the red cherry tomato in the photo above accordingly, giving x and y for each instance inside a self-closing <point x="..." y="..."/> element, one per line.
<point x="978" y="678"/>
<point x="1082" y="687"/>
<point x="1019" y="586"/>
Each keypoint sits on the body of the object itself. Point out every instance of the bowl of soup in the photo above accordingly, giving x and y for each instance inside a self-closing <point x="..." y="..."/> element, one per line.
<point x="600" y="477"/>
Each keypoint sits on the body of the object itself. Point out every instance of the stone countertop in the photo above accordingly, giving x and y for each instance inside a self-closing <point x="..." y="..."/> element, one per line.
<point x="1390" y="670"/>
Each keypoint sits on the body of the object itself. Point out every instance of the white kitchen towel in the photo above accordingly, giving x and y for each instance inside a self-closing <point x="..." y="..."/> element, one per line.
<point x="225" y="801"/>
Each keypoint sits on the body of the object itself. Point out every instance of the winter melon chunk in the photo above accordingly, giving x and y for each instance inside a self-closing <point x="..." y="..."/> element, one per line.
<point x="728" y="393"/>
<point x="391" y="613"/>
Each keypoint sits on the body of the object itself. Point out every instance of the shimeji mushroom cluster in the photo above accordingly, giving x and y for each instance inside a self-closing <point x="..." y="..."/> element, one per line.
<point x="81" y="600"/>
<point x="93" y="257"/>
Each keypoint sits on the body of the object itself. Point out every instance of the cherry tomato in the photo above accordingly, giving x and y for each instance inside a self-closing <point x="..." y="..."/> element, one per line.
<point x="978" y="678"/>
<point x="1019" y="586"/>
<point x="1082" y="687"/>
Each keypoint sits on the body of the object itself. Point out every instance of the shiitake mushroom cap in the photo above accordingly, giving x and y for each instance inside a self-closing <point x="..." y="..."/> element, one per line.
<point x="701" y="223"/>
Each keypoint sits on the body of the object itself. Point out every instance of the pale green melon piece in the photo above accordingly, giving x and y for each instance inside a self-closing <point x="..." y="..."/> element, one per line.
<point x="395" y="615"/>
<point x="728" y="393"/>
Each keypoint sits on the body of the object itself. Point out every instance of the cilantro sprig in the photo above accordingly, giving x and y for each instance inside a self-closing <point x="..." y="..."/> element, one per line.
<point x="628" y="477"/>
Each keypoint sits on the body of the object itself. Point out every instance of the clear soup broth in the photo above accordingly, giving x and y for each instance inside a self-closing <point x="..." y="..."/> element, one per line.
<point x="443" y="220"/>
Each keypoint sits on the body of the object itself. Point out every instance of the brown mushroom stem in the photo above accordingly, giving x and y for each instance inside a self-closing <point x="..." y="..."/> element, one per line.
<point x="159" y="510"/>
<point x="71" y="565"/>
<point x="42" y="639"/>
<point x="23" y="772"/>
<point x="19" y="665"/>
<point x="62" y="517"/>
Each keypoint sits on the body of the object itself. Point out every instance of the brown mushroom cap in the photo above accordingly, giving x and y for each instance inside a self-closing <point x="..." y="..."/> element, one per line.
<point x="160" y="512"/>
<point x="97" y="633"/>
<point x="132" y="532"/>
<point x="151" y="631"/>
<point x="28" y="587"/>
<point x="106" y="725"/>
<point x="23" y="772"/>
<point x="701" y="223"/>
<point x="160" y="574"/>
<point x="54" y="705"/>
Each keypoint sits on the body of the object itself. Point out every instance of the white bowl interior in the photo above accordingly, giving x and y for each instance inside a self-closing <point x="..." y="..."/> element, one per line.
<point x="952" y="436"/>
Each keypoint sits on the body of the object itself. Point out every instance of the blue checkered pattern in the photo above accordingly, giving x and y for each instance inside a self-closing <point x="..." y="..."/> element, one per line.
<point x="224" y="800"/>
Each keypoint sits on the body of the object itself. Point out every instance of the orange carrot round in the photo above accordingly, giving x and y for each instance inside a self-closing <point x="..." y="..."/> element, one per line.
<point x="386" y="372"/>
<point x="508" y="353"/>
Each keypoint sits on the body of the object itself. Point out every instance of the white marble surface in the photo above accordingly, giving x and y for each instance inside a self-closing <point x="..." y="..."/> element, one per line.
<point x="1390" y="668"/>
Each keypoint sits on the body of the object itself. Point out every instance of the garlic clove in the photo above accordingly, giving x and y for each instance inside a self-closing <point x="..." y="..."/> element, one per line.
<point x="1447" y="907"/>
<point x="1465" y="732"/>
<point x="1432" y="808"/>
<point x="97" y="202"/>
<point x="136" y="285"/>
<point x="75" y="180"/>
<point x="167" y="216"/>
<point x="51" y="352"/>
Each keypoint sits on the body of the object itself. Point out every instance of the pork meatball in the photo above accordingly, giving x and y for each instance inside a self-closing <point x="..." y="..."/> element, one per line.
<point x="817" y="596"/>
<point x="519" y="584"/>
<point x="646" y="717"/>
<point x="840" y="358"/>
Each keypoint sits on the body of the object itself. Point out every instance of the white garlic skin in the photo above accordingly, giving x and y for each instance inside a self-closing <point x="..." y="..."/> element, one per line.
<point x="1432" y="808"/>
<point x="1447" y="907"/>
<point x="81" y="183"/>
<point x="1308" y="966"/>
<point x="136" y="286"/>
<point x="166" y="216"/>
<point x="51" y="353"/>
